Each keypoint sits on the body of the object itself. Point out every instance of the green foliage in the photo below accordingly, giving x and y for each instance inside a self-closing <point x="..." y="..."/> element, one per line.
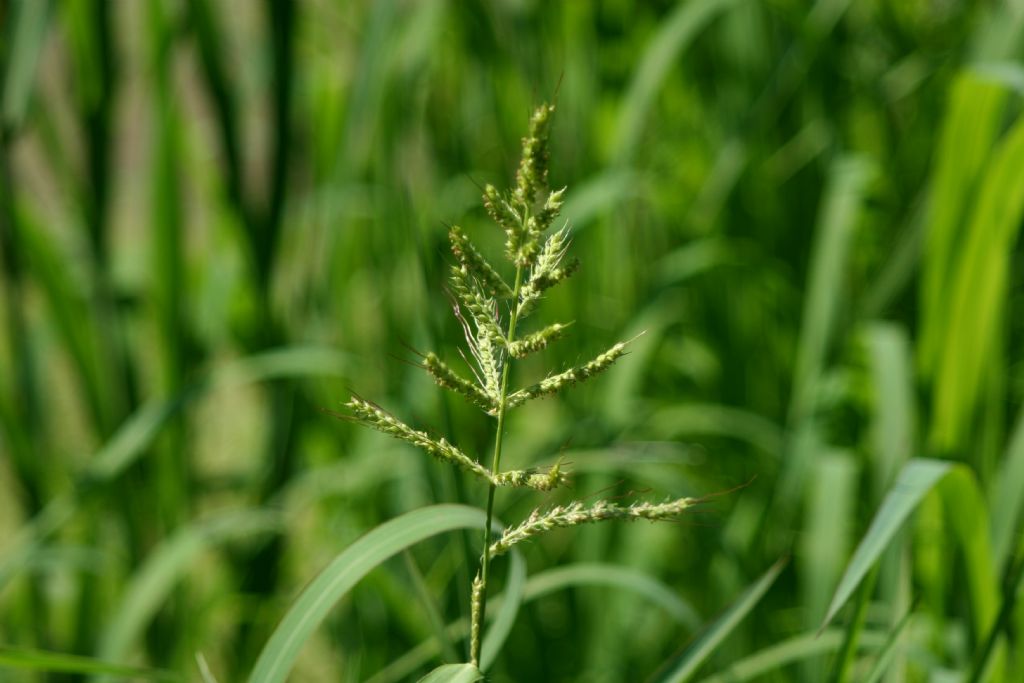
<point x="217" y="219"/>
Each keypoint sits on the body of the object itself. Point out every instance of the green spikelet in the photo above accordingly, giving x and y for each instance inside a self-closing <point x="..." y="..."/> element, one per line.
<point x="447" y="378"/>
<point x="536" y="341"/>
<point x="555" y="383"/>
<point x="532" y="176"/>
<point x="532" y="478"/>
<point x="547" y="271"/>
<point x="576" y="513"/>
<point x="501" y="211"/>
<point x="550" y="211"/>
<point x="373" y="416"/>
<point x="477" y="265"/>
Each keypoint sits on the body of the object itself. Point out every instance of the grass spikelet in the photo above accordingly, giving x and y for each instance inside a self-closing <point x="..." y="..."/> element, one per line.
<point x="480" y="305"/>
<point x="551" y="209"/>
<point x="532" y="478"/>
<point x="555" y="383"/>
<point x="577" y="513"/>
<point x="377" y="418"/>
<point x="447" y="378"/>
<point x="547" y="271"/>
<point x="501" y="211"/>
<point x="537" y="341"/>
<point x="476" y="607"/>
<point x="532" y="175"/>
<point x="477" y="265"/>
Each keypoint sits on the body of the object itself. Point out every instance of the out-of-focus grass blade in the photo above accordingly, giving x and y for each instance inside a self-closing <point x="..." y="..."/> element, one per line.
<point x="595" y="196"/>
<point x="966" y="516"/>
<point x="843" y="662"/>
<point x="544" y="583"/>
<point x="355" y="562"/>
<point x="138" y="432"/>
<point x="840" y="209"/>
<point x="706" y="419"/>
<point x="916" y="479"/>
<point x="888" y="651"/>
<point x="613" y="576"/>
<point x="985" y="659"/>
<point x="30" y="19"/>
<point x="1008" y="498"/>
<point x="56" y="662"/>
<point x="204" y="669"/>
<point x="789" y="651"/>
<point x="140" y="429"/>
<point x="453" y="673"/>
<point x="497" y="634"/>
<point x="152" y="582"/>
<point x="976" y="295"/>
<point x="662" y="53"/>
<point x="685" y="665"/>
<point x="429" y="606"/>
<point x="825" y="542"/>
<point x="892" y="435"/>
<point x="971" y="125"/>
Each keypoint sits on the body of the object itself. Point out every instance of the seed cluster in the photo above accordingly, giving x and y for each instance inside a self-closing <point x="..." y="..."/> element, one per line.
<point x="576" y="513"/>
<point x="480" y="295"/>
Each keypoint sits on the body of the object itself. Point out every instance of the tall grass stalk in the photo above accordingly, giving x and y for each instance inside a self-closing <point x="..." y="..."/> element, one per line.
<point x="525" y="213"/>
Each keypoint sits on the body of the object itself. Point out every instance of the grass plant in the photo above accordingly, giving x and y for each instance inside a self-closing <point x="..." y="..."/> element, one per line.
<point x="216" y="218"/>
<point x="525" y="213"/>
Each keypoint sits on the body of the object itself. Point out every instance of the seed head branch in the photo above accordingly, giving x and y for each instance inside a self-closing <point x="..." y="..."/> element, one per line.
<point x="576" y="513"/>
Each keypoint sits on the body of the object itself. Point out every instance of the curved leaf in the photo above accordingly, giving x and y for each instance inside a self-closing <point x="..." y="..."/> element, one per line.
<point x="683" y="667"/>
<point x="58" y="662"/>
<point x="915" y="480"/>
<point x="161" y="571"/>
<point x="596" y="574"/>
<point x="795" y="649"/>
<point x="453" y="673"/>
<point x="506" y="613"/>
<point x="359" y="559"/>
<point x="138" y="431"/>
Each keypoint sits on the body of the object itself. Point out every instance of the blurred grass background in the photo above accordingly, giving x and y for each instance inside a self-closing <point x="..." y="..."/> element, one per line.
<point x="217" y="218"/>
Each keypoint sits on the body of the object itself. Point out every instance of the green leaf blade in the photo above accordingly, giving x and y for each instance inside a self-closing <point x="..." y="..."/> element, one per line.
<point x="355" y="562"/>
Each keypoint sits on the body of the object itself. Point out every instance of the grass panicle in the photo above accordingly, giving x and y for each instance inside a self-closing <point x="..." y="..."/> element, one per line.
<point x="576" y="513"/>
<point x="563" y="380"/>
<point x="477" y="265"/>
<point x="447" y="378"/>
<point x="375" y="417"/>
<point x="547" y="272"/>
<point x="537" y="341"/>
<point x="477" y="287"/>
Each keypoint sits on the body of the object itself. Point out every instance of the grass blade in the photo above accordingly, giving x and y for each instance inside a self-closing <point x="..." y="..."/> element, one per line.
<point x="683" y="667"/>
<point x="31" y="17"/>
<point x="977" y="294"/>
<point x="1008" y="497"/>
<point x="355" y="562"/>
<point x="453" y="673"/>
<point x="496" y="636"/>
<point x="914" y="481"/>
<point x="792" y="650"/>
<point x="675" y="34"/>
<point x="613" y="576"/>
<point x="153" y="581"/>
<point x="848" y="182"/>
<point x="888" y="651"/>
<point x="55" y="662"/>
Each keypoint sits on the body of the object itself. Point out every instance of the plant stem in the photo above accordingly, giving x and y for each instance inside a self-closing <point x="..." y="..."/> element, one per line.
<point x="485" y="559"/>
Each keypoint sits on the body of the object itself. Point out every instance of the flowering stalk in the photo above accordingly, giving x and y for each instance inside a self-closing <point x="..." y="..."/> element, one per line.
<point x="479" y="294"/>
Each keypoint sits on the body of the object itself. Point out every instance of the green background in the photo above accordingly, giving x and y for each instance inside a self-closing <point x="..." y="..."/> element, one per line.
<point x="218" y="219"/>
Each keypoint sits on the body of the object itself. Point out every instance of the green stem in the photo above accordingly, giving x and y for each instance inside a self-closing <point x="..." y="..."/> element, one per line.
<point x="485" y="560"/>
